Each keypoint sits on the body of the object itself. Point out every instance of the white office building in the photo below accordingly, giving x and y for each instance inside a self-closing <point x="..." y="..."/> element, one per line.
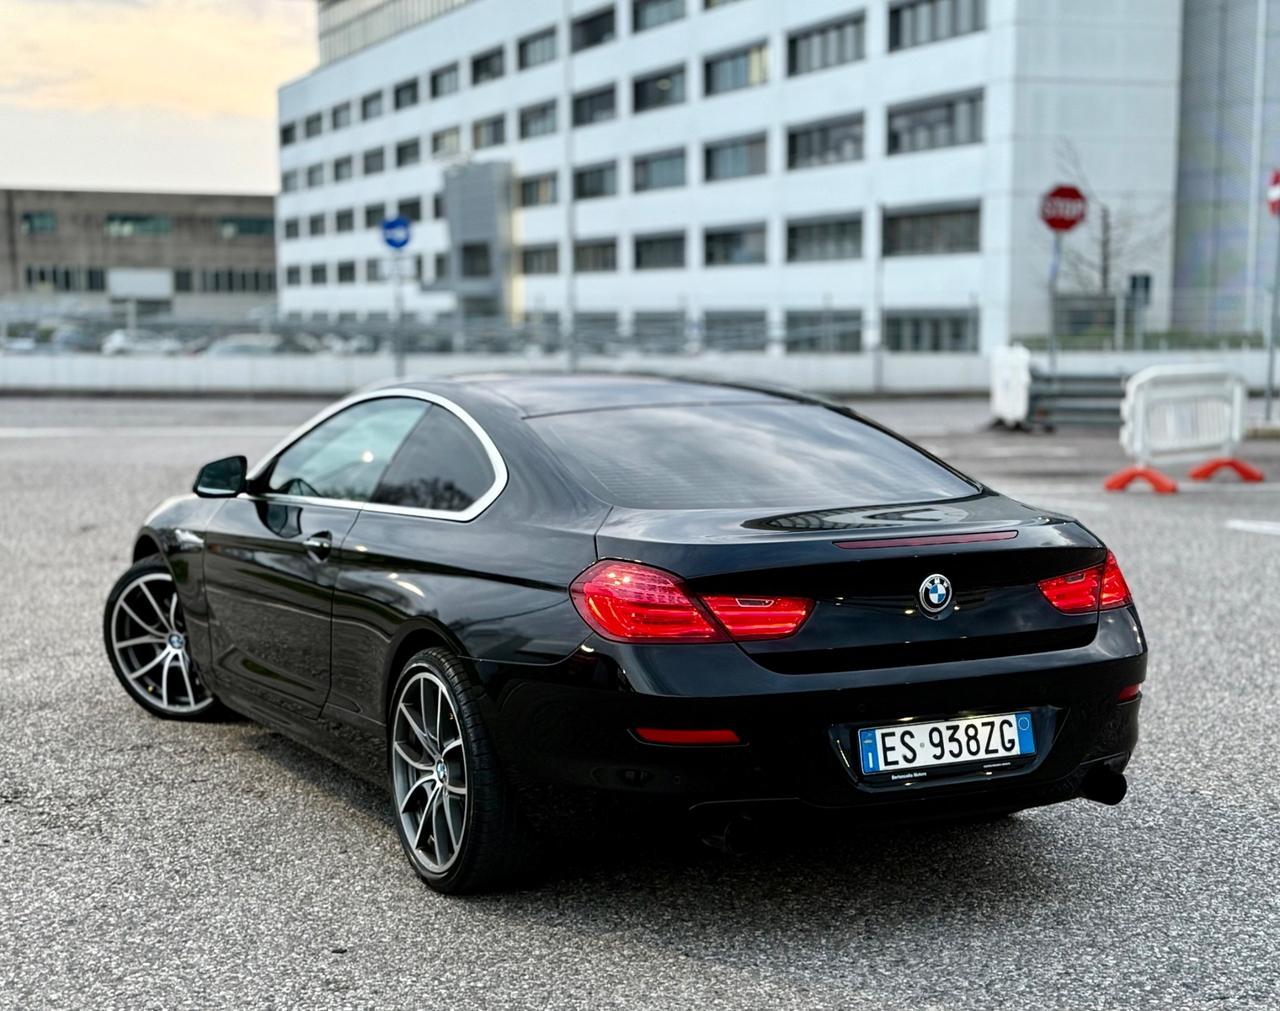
<point x="728" y="172"/>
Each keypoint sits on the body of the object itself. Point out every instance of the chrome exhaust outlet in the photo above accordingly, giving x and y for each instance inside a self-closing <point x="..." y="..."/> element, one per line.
<point x="736" y="836"/>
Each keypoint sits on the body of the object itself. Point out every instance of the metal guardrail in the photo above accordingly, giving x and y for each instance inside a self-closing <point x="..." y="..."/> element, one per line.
<point x="1025" y="396"/>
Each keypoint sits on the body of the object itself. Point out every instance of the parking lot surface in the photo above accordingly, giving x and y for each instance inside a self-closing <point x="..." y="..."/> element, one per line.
<point x="147" y="864"/>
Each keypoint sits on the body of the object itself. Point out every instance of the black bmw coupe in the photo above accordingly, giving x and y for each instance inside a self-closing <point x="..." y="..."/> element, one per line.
<point x="500" y="593"/>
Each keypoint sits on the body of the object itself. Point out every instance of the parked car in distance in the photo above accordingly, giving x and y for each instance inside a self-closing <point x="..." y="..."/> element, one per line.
<point x="140" y="342"/>
<point x="70" y="339"/>
<point x="514" y="599"/>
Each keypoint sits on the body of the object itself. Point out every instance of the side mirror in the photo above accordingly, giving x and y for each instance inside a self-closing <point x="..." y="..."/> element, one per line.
<point x="222" y="478"/>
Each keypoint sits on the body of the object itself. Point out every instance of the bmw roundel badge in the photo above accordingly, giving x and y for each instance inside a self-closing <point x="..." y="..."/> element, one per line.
<point x="935" y="593"/>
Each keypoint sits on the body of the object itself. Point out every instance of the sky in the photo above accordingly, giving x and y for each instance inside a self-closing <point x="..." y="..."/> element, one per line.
<point x="147" y="94"/>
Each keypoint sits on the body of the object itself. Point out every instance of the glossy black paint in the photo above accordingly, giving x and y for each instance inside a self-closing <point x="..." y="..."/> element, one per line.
<point x="300" y="614"/>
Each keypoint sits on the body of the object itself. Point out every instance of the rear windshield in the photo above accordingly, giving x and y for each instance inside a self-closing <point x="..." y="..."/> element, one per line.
<point x="725" y="456"/>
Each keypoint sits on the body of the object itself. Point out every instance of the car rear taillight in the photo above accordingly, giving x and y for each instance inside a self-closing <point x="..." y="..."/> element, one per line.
<point x="1101" y="587"/>
<point x="629" y="602"/>
<point x="759" y="617"/>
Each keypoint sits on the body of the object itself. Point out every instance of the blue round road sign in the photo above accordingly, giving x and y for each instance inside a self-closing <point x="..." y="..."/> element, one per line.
<point x="395" y="232"/>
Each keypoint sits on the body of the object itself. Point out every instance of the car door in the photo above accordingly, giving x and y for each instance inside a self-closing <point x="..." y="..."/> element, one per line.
<point x="272" y="555"/>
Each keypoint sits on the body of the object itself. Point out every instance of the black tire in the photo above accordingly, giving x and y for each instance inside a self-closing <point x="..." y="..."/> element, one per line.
<point x="178" y="693"/>
<point x="494" y="848"/>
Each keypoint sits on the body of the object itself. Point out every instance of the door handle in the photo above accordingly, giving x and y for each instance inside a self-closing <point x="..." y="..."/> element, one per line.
<point x="319" y="545"/>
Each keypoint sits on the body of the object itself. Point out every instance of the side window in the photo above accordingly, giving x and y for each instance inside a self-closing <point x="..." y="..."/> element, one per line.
<point x="441" y="466"/>
<point x="343" y="457"/>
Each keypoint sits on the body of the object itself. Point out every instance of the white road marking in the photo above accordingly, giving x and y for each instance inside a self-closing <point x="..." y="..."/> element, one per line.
<point x="1254" y="527"/>
<point x="184" y="432"/>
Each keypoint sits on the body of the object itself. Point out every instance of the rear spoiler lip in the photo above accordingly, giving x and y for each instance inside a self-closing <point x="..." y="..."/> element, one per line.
<point x="927" y="540"/>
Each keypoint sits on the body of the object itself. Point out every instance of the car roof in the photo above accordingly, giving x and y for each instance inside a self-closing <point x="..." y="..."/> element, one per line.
<point x="542" y="394"/>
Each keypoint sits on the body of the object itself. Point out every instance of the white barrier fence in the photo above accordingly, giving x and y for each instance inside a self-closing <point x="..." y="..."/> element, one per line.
<point x="868" y="372"/>
<point x="1180" y="413"/>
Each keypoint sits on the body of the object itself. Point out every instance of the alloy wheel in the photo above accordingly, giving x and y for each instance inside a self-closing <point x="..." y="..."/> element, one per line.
<point x="429" y="771"/>
<point x="148" y="638"/>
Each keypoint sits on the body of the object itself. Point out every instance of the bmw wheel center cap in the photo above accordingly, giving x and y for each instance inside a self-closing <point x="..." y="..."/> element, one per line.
<point x="935" y="593"/>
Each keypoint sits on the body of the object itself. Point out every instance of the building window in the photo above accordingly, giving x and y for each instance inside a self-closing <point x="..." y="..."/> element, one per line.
<point x="647" y="14"/>
<point x="659" y="252"/>
<point x="445" y="81"/>
<point x="540" y="259"/>
<point x="315" y="175"/>
<point x="538" y="120"/>
<point x="826" y="45"/>
<point x="595" y="181"/>
<point x="487" y="66"/>
<point x="408" y="152"/>
<point x="476" y="261"/>
<point x="488" y="132"/>
<point x="288" y="134"/>
<point x="538" y="191"/>
<point x="319" y="273"/>
<point x="347" y="272"/>
<point x="594" y="106"/>
<point x="410" y="208"/>
<point x="654" y="91"/>
<point x="441" y="266"/>
<point x="931" y="330"/>
<point x="313" y="125"/>
<point x="292" y="276"/>
<point x="374" y="161"/>
<point x="735" y="330"/>
<point x="921" y="21"/>
<point x="246" y="227"/>
<point x="709" y="4"/>
<point x="658" y="171"/>
<point x="315" y="224"/>
<point x="825" y="143"/>
<point x="291" y="229"/>
<point x="437" y="206"/>
<point x="344" y="220"/>
<point x="824" y="239"/>
<point x="734" y="159"/>
<point x="340" y="116"/>
<point x="405" y="94"/>
<point x="182" y="282"/>
<point x="374" y="215"/>
<point x="742" y="68"/>
<point x="732" y="246"/>
<point x="123" y="226"/>
<point x="595" y="256"/>
<point x="373" y="270"/>
<point x="593" y="30"/>
<point x="824" y="329"/>
<point x="342" y="169"/>
<point x="945" y="122"/>
<point x="289" y="181"/>
<point x="371" y="106"/>
<point x="915" y="233"/>
<point x="39" y="223"/>
<point x="446" y="142"/>
<point x="536" y="49"/>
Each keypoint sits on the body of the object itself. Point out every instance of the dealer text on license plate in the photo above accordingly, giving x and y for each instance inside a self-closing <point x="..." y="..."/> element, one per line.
<point x="946" y="742"/>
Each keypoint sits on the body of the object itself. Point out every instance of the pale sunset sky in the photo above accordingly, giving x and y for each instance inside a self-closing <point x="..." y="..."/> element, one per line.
<point x="147" y="94"/>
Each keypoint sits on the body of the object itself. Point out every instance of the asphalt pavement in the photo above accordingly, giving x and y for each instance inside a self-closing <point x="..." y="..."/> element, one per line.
<point x="147" y="864"/>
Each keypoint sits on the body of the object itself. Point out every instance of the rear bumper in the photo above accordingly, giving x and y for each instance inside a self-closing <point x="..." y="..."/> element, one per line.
<point x="583" y="738"/>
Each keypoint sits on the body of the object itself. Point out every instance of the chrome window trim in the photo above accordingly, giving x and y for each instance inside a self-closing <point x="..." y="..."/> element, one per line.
<point x="477" y="507"/>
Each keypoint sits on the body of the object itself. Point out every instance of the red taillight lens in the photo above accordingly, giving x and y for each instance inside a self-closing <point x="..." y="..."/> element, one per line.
<point x="634" y="603"/>
<point x="1081" y="592"/>
<point x="759" y="617"/>
<point x="1115" y="591"/>
<point x="665" y="735"/>
<point x="1074" y="593"/>
<point x="630" y="602"/>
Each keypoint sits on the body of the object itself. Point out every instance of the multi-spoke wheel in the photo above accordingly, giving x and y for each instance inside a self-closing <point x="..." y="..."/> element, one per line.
<point x="455" y="814"/>
<point x="146" y="639"/>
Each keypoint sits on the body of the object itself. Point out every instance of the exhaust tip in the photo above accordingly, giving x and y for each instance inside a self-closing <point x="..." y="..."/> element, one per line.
<point x="1105" y="786"/>
<point x="736" y="836"/>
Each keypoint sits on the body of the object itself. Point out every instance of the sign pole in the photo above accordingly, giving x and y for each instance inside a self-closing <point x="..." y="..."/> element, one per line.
<point x="1053" y="305"/>
<point x="1061" y="209"/>
<point x="398" y="333"/>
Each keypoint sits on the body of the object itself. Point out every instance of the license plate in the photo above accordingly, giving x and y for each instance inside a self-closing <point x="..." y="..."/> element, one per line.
<point x="909" y="746"/>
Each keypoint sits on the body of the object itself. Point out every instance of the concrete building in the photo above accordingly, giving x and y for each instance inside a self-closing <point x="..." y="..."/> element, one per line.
<point x="725" y="171"/>
<point x="192" y="255"/>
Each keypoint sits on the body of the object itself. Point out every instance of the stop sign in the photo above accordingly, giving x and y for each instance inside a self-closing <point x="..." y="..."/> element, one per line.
<point x="1062" y="208"/>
